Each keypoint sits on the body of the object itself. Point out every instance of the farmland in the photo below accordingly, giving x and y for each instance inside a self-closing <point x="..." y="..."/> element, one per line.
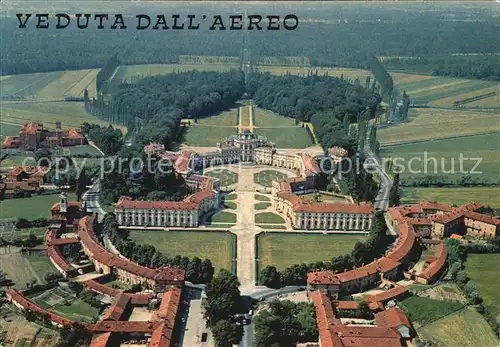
<point x="457" y="195"/>
<point x="447" y="153"/>
<point x="28" y="85"/>
<point x="283" y="249"/>
<point x="214" y="245"/>
<point x="444" y="91"/>
<point x="464" y="328"/>
<point x="22" y="269"/>
<point x="423" y="311"/>
<point x="7" y="129"/>
<point x="30" y="208"/>
<point x="483" y="270"/>
<point x="21" y="333"/>
<point x="70" y="114"/>
<point x="429" y="123"/>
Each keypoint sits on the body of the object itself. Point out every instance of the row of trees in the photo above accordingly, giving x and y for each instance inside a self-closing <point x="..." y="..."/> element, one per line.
<point x="197" y="271"/>
<point x="105" y="73"/>
<point x="222" y="303"/>
<point x="363" y="253"/>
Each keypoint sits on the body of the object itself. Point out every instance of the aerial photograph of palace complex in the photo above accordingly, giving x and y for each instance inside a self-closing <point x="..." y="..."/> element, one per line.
<point x="249" y="174"/>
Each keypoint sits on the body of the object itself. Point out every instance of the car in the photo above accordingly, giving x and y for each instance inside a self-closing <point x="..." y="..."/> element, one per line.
<point x="204" y="337"/>
<point x="250" y="313"/>
<point x="245" y="321"/>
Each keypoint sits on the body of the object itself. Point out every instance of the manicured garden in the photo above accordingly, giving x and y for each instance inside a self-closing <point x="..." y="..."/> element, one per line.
<point x="268" y="217"/>
<point x="285" y="249"/>
<point x="223" y="217"/>
<point x="259" y="197"/>
<point x="214" y="245"/>
<point x="226" y="177"/>
<point x="266" y="177"/>
<point x="262" y="205"/>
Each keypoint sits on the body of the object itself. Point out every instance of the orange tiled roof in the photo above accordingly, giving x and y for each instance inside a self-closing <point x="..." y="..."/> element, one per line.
<point x="100" y="254"/>
<point x="387" y="295"/>
<point x="392" y="318"/>
<point x="56" y="256"/>
<point x="118" y="307"/>
<point x="103" y="340"/>
<point x="436" y="266"/>
<point x="363" y="336"/>
<point x="482" y="218"/>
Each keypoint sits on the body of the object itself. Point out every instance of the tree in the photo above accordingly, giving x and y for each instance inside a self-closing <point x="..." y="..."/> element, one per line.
<point x="394" y="196"/>
<point x="270" y="277"/>
<point x="52" y="277"/>
<point x="223" y="297"/>
<point x="43" y="157"/>
<point x="475" y="298"/>
<point x="81" y="184"/>
<point x="454" y="268"/>
<point x="227" y="333"/>
<point x="462" y="278"/>
<point x="74" y="335"/>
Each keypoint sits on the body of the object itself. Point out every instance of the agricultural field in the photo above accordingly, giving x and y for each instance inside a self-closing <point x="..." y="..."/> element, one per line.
<point x="54" y="299"/>
<point x="41" y="264"/>
<point x="444" y="91"/>
<point x="23" y="269"/>
<point x="28" y="85"/>
<point x="268" y="217"/>
<point x="225" y="118"/>
<point x="459" y="196"/>
<point x="14" y="160"/>
<point x="214" y="245"/>
<point x="447" y="154"/>
<point x="285" y="249"/>
<point x="7" y="129"/>
<point x="226" y="177"/>
<point x="464" y="328"/>
<point x="400" y="78"/>
<point x="70" y="114"/>
<point x="483" y="270"/>
<point x="293" y="137"/>
<point x="204" y="136"/>
<point x="71" y="84"/>
<point x="37" y="206"/>
<point x="21" y="333"/>
<point x="423" y="311"/>
<point x="131" y="72"/>
<point x="266" y="177"/>
<point x="430" y="123"/>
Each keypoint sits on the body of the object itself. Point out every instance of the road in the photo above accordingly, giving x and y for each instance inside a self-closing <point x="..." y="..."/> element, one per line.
<point x="91" y="198"/>
<point x="382" y="199"/>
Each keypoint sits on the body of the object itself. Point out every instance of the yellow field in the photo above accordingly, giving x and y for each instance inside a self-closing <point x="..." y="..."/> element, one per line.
<point x="465" y="328"/>
<point x="70" y="114"/>
<point x="71" y="83"/>
<point x="296" y="70"/>
<point x="488" y="102"/>
<point x="400" y="78"/>
<point x="432" y="123"/>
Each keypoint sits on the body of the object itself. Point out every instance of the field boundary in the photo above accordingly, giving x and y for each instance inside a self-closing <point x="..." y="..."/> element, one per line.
<point x="437" y="139"/>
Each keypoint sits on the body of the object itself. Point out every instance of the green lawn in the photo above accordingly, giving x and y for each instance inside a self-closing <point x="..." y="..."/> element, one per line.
<point x="37" y="206"/>
<point x="83" y="150"/>
<point x="268" y="217"/>
<point x="16" y="268"/>
<point x="223" y="217"/>
<point x="446" y="152"/>
<point x="259" y="197"/>
<point x="459" y="196"/>
<point x="269" y="119"/>
<point x="245" y="116"/>
<point x="285" y="249"/>
<point x="265" y="178"/>
<point x="262" y="205"/>
<point x="9" y="129"/>
<point x="424" y="310"/>
<point x="465" y="328"/>
<point x="225" y="118"/>
<point x="204" y="136"/>
<point x="483" y="270"/>
<point x="271" y="227"/>
<point x="226" y="177"/>
<point x="293" y="137"/>
<point x="230" y="205"/>
<point x="214" y="245"/>
<point x="15" y="160"/>
<point x="230" y="197"/>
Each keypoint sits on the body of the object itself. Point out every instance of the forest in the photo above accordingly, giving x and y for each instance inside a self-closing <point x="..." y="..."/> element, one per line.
<point x="328" y="34"/>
